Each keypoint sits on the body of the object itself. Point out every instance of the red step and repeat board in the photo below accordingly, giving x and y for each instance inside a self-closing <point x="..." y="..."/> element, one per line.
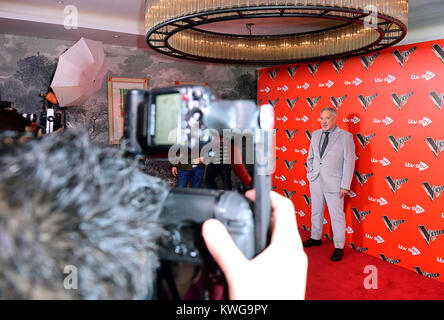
<point x="392" y="102"/>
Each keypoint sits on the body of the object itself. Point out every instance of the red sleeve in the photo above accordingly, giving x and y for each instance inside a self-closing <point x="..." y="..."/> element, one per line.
<point x="238" y="166"/>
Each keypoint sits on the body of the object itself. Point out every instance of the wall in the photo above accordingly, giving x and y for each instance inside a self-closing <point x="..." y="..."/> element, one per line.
<point x="27" y="64"/>
<point x="392" y="103"/>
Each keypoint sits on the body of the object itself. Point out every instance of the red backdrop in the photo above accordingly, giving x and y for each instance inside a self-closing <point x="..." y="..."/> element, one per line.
<point x="392" y="102"/>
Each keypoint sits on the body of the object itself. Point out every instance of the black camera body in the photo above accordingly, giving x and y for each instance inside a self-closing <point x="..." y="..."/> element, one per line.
<point x="184" y="212"/>
<point x="155" y="121"/>
<point x="151" y="116"/>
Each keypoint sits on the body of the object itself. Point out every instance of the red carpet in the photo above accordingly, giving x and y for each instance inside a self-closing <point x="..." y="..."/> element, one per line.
<point x="344" y="280"/>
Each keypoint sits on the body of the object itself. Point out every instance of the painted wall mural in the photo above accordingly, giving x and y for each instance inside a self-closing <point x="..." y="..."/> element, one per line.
<point x="27" y="64"/>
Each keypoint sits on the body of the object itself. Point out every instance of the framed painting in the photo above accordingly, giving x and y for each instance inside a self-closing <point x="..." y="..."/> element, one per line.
<point x="117" y="88"/>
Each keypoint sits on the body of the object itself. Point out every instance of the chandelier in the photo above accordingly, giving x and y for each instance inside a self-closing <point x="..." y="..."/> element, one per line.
<point x="269" y="32"/>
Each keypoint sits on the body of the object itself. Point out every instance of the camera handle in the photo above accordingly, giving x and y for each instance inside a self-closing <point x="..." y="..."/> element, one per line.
<point x="262" y="184"/>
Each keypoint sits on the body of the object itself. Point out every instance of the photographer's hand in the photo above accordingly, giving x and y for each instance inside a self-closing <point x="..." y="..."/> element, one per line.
<point x="279" y="272"/>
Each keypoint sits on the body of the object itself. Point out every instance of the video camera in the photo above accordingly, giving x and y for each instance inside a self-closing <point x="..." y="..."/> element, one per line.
<point x="158" y="120"/>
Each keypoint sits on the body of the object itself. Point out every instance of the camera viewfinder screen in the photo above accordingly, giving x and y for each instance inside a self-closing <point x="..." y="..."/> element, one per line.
<point x="167" y="117"/>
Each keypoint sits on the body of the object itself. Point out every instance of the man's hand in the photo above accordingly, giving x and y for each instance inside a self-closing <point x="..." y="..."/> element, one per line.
<point x="174" y="171"/>
<point x="344" y="192"/>
<point x="279" y="272"/>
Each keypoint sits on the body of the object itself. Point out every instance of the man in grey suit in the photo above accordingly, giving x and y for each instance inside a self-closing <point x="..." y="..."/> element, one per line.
<point x="330" y="166"/>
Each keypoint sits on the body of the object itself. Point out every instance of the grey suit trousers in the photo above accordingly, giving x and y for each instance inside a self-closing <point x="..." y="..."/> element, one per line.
<point x="335" y="206"/>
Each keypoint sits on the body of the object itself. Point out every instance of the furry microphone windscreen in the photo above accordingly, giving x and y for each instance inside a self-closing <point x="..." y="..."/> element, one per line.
<point x="69" y="205"/>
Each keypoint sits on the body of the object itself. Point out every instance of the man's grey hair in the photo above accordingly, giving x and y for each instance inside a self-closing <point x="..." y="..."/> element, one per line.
<point x="332" y="110"/>
<point x="67" y="202"/>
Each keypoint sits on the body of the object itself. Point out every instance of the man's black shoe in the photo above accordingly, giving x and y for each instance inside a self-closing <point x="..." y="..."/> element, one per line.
<point x="337" y="255"/>
<point x="312" y="242"/>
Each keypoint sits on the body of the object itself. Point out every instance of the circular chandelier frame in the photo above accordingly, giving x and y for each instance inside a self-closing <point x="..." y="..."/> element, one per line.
<point x="390" y="31"/>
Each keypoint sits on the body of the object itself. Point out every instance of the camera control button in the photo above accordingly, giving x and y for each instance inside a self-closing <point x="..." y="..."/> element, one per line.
<point x="193" y="253"/>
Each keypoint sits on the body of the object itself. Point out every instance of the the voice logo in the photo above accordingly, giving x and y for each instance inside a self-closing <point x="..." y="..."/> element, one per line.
<point x="417" y="208"/>
<point x="313" y="102"/>
<point x="273" y="102"/>
<point x="429" y="235"/>
<point x="289" y="194"/>
<point x="364" y="140"/>
<point x="337" y="102"/>
<point x="439" y="51"/>
<point x="289" y="164"/>
<point x="308" y="135"/>
<point x="430" y="275"/>
<point x="436" y="146"/>
<point x="395" y="184"/>
<point x="354" y="120"/>
<point x="392" y="225"/>
<point x="292" y="71"/>
<point x="432" y="191"/>
<point x="360" y="215"/>
<point x="389" y="79"/>
<point x="273" y="73"/>
<point x="401" y="100"/>
<point x="381" y="200"/>
<point x="291" y="103"/>
<point x="307" y="200"/>
<point x="304" y="86"/>
<point x="387" y="121"/>
<point x="283" y="148"/>
<point x="429" y="75"/>
<point x="403" y="57"/>
<point x="351" y="194"/>
<point x="362" y="177"/>
<point x="398" y="143"/>
<point x="313" y="68"/>
<point x="438" y="99"/>
<point x="328" y="84"/>
<point x="421" y="166"/>
<point x="355" y="247"/>
<point x="355" y="82"/>
<point x="290" y="134"/>
<point x="423" y="122"/>
<point x="367" y="61"/>
<point x="384" y="162"/>
<point x="338" y="65"/>
<point x="366" y="101"/>
<point x="389" y="260"/>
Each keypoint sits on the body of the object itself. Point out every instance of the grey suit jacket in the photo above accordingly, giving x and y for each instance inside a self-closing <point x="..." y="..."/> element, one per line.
<point x="335" y="168"/>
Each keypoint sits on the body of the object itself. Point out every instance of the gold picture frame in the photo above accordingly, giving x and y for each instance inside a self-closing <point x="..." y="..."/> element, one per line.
<point x="117" y="87"/>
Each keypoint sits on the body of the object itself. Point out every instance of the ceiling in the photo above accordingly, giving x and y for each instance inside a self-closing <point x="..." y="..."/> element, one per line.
<point x="121" y="22"/>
